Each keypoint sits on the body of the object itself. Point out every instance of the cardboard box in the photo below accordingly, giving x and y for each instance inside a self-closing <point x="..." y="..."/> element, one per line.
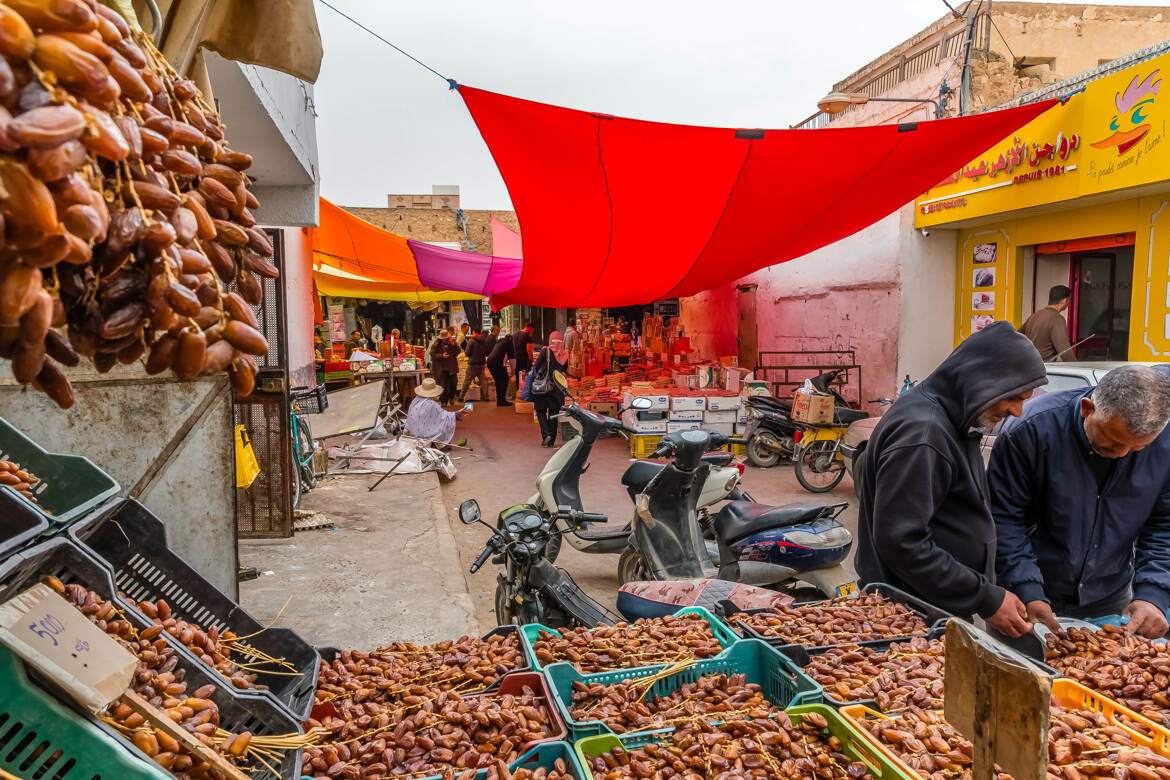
<point x="687" y="381"/>
<point x="721" y="403"/>
<point x="690" y="415"/>
<point x="688" y="402"/>
<point x="607" y="408"/>
<point x="722" y="416"/>
<point x="812" y="408"/>
<point x="644" y="422"/>
<point x="756" y="387"/>
<point x="708" y="375"/>
<point x="727" y="429"/>
<point x="675" y="427"/>
<point x="657" y="401"/>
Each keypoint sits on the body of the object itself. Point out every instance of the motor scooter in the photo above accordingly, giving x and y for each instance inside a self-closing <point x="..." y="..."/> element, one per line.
<point x="756" y="544"/>
<point x="558" y="484"/>
<point x="773" y="434"/>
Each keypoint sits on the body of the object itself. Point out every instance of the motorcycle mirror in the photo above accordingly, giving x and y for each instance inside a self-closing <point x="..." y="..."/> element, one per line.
<point x="641" y="402"/>
<point x="469" y="512"/>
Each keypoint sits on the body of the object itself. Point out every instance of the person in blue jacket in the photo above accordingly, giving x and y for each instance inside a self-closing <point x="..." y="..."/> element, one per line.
<point x="1080" y="492"/>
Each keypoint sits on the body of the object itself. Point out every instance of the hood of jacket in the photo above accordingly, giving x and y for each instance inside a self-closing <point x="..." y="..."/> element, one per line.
<point x="997" y="362"/>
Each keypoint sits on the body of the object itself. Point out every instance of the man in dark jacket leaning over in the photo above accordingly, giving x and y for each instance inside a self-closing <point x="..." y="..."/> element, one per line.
<point x="924" y="525"/>
<point x="1080" y="491"/>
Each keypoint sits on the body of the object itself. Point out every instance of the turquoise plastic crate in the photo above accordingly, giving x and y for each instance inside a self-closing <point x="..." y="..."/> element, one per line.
<point x="543" y="755"/>
<point x="853" y="744"/>
<point x="531" y="632"/>
<point x="69" y="486"/>
<point x="780" y="680"/>
<point x="41" y="738"/>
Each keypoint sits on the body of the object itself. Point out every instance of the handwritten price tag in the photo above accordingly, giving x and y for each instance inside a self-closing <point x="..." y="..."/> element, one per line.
<point x="54" y="637"/>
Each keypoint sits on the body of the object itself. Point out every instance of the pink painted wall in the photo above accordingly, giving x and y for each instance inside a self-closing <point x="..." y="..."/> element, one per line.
<point x="844" y="296"/>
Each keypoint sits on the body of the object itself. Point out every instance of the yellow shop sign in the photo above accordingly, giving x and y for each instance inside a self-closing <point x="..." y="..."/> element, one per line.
<point x="1111" y="136"/>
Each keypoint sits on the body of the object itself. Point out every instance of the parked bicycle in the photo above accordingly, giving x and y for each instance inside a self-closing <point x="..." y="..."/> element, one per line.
<point x="303" y="401"/>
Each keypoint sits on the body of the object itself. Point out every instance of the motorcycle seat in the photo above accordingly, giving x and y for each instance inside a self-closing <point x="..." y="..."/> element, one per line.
<point x="846" y="416"/>
<point x="738" y="519"/>
<point x="640" y="472"/>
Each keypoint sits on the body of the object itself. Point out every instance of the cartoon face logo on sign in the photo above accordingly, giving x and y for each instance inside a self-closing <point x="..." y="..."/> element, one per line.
<point x="1129" y="124"/>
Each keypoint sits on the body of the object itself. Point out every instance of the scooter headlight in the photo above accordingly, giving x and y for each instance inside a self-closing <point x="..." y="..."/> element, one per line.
<point x="831" y="537"/>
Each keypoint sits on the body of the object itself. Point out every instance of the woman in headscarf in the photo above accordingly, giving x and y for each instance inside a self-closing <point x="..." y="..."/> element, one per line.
<point x="426" y="419"/>
<point x="552" y="358"/>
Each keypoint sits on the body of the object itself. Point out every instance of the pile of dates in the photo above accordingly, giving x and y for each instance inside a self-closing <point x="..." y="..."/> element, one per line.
<point x="429" y="733"/>
<point x="907" y="674"/>
<point x="645" y="642"/>
<point x="1081" y="744"/>
<point x="20" y="480"/>
<point x="385" y="675"/>
<point x="124" y="216"/>
<point x="1131" y="670"/>
<point x="759" y="748"/>
<point x="159" y="680"/>
<point x="626" y="707"/>
<point x="208" y="646"/>
<point x="838" y="621"/>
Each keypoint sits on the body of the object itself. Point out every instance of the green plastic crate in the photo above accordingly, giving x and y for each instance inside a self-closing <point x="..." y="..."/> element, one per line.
<point x="780" y="680"/>
<point x="41" y="738"/>
<point x="531" y="632"/>
<point x="853" y="744"/>
<point x="70" y="485"/>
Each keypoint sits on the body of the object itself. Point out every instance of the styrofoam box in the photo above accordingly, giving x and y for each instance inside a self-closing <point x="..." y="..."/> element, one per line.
<point x="656" y="401"/>
<point x="675" y="427"/>
<point x="727" y="429"/>
<point x="721" y="403"/>
<point x="688" y="402"/>
<point x="630" y="420"/>
<point x="727" y="416"/>
<point x="741" y="418"/>
<point x="692" y="415"/>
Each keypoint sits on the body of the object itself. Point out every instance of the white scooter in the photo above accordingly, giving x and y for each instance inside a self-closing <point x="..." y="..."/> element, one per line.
<point x="558" y="485"/>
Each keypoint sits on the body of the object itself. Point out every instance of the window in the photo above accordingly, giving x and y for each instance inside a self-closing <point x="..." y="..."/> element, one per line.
<point x="1058" y="382"/>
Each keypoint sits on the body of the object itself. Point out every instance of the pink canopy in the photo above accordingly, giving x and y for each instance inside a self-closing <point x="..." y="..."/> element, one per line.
<point x="449" y="269"/>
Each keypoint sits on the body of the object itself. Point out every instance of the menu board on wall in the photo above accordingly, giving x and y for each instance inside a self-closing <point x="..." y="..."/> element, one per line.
<point x="337" y="332"/>
<point x="984" y="253"/>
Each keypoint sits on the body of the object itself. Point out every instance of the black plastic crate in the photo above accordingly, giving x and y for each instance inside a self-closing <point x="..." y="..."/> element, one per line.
<point x="69" y="485"/>
<point x="930" y="614"/>
<point x="62" y="558"/>
<point x="126" y="537"/>
<point x="310" y="400"/>
<point x="19" y="524"/>
<point x="331" y="654"/>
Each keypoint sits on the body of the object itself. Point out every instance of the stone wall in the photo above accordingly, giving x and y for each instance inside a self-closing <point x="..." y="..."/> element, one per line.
<point x="438" y="224"/>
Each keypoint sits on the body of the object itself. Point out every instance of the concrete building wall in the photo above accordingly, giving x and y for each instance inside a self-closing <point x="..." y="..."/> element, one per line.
<point x="431" y="224"/>
<point x="925" y="278"/>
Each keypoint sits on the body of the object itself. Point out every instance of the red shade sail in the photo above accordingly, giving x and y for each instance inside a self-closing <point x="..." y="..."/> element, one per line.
<point x="666" y="210"/>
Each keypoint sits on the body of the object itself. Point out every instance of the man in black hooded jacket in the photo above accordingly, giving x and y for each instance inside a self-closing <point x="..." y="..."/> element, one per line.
<point x="924" y="524"/>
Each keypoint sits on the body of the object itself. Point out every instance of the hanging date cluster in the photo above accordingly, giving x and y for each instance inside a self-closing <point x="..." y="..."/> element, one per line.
<point x="126" y="218"/>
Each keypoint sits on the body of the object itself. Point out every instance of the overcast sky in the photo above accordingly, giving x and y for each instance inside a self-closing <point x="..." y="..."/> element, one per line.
<point x="386" y="125"/>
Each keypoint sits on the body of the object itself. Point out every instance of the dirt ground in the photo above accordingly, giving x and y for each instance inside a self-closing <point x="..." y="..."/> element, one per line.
<point x="501" y="471"/>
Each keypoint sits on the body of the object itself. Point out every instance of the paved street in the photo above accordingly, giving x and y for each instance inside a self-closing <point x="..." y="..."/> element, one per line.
<point x="501" y="471"/>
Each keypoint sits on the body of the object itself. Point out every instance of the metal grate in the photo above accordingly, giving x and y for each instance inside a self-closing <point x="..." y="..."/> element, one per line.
<point x="265" y="509"/>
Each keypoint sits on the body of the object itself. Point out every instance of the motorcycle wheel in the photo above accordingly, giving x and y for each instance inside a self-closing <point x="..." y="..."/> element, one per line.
<point x="818" y="468"/>
<point x="504" y="614"/>
<point x="632" y="567"/>
<point x="764" y="450"/>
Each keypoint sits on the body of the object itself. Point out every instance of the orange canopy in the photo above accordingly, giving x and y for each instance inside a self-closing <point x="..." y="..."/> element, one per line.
<point x="354" y="259"/>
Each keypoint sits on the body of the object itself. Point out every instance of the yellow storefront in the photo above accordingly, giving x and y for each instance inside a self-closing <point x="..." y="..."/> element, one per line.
<point x="1080" y="197"/>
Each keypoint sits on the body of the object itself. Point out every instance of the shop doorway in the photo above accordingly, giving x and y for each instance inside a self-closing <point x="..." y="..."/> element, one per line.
<point x="748" y="336"/>
<point x="1101" y="282"/>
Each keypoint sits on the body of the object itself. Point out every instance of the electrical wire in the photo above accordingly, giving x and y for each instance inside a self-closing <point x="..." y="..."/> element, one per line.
<point x="1005" y="40"/>
<point x="403" y="52"/>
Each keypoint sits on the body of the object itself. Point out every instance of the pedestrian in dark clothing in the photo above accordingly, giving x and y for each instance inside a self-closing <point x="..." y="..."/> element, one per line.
<point x="477" y="352"/>
<point x="523" y="344"/>
<point x="924" y="524"/>
<point x="552" y="358"/>
<point x="492" y="337"/>
<point x="1047" y="329"/>
<point x="445" y="365"/>
<point x="502" y="352"/>
<point x="1080" y="491"/>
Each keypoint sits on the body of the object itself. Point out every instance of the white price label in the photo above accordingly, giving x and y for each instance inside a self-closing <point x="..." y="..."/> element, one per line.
<point x="56" y="638"/>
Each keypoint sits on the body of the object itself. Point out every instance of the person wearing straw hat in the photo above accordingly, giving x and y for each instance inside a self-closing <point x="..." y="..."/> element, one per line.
<point x="425" y="419"/>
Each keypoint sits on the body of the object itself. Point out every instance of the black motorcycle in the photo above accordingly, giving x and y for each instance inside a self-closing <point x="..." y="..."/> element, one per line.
<point x="772" y="432"/>
<point x="530" y="588"/>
